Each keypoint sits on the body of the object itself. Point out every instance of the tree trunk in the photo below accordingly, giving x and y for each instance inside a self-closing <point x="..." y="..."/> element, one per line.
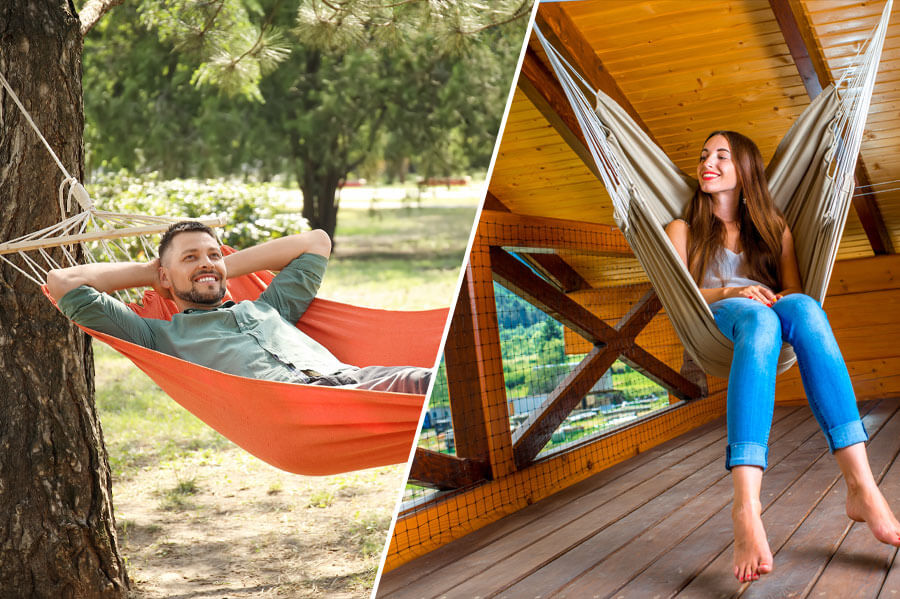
<point x="57" y="531"/>
<point x="320" y="205"/>
<point x="319" y="187"/>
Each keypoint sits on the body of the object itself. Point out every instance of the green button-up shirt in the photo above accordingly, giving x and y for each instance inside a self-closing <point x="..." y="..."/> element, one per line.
<point x="255" y="339"/>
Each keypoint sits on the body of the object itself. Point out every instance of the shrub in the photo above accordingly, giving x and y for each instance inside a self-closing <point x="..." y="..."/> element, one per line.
<point x="253" y="212"/>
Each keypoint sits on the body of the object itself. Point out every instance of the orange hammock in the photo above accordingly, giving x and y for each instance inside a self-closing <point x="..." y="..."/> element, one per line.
<point x="305" y="429"/>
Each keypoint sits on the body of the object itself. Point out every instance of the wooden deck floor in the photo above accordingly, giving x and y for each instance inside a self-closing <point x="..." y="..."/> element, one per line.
<point x="659" y="525"/>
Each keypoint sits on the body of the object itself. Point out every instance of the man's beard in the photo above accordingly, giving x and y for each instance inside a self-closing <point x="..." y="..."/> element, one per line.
<point x="202" y="298"/>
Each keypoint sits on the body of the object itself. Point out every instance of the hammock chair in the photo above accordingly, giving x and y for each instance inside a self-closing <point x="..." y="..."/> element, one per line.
<point x="810" y="178"/>
<point x="304" y="429"/>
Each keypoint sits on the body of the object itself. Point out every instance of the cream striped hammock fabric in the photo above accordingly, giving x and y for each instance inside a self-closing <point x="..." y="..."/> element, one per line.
<point x="810" y="178"/>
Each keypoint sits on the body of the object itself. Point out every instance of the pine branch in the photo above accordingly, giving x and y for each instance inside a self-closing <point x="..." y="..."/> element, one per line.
<point x="261" y="37"/>
<point x="93" y="11"/>
<point x="524" y="10"/>
<point x="211" y="20"/>
<point x="396" y="4"/>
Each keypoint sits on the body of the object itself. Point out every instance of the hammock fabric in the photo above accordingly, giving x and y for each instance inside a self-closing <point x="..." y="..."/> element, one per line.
<point x="305" y="429"/>
<point x="810" y="178"/>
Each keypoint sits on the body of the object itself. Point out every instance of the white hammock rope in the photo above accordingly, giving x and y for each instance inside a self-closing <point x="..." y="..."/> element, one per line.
<point x="615" y="177"/>
<point x="98" y="233"/>
<point x="831" y="127"/>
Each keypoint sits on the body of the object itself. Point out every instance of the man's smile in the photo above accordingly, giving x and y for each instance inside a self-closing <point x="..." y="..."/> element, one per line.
<point x="206" y="278"/>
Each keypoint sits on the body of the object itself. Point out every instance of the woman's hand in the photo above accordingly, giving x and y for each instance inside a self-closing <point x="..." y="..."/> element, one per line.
<point x="755" y="292"/>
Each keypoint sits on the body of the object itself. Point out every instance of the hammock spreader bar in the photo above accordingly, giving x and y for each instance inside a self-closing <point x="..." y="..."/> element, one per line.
<point x="810" y="178"/>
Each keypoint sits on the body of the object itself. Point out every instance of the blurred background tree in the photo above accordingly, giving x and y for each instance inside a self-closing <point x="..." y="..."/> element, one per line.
<point x="314" y="92"/>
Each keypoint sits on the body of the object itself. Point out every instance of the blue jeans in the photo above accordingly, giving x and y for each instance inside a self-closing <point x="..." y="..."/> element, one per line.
<point x="757" y="332"/>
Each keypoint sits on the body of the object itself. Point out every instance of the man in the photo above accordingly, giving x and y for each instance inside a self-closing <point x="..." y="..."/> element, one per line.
<point x="255" y="339"/>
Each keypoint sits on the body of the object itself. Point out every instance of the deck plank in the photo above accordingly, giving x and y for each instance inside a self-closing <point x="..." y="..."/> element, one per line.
<point x="569" y="550"/>
<point x="659" y="525"/>
<point x="615" y="555"/>
<point x="458" y="561"/>
<point x="861" y="563"/>
<point x="584" y="552"/>
<point x="702" y="527"/>
<point x="675" y="569"/>
<point x="632" y="471"/>
<point x="781" y="516"/>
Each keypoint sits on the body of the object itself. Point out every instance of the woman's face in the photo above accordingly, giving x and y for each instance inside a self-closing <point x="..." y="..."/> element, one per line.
<point x="716" y="169"/>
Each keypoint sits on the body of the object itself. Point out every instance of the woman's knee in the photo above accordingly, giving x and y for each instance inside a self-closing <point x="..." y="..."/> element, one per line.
<point x="759" y="321"/>
<point x="798" y="304"/>
<point x="800" y="315"/>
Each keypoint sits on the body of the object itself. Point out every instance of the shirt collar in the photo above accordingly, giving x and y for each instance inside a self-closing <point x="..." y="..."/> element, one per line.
<point x="227" y="304"/>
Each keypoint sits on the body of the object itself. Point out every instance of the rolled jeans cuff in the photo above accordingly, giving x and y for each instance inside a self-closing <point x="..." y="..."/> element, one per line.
<point x="746" y="454"/>
<point x="846" y="435"/>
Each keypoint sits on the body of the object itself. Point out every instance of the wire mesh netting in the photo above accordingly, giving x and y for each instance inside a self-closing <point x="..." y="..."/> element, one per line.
<point x="541" y="378"/>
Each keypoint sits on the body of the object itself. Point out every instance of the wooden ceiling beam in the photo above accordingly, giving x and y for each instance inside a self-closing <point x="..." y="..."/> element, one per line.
<point x="814" y="72"/>
<point x="492" y="202"/>
<point x="562" y="33"/>
<point x="799" y="40"/>
<point x="541" y="87"/>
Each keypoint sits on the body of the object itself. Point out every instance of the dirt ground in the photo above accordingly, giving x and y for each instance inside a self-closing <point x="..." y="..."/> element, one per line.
<point x="224" y="524"/>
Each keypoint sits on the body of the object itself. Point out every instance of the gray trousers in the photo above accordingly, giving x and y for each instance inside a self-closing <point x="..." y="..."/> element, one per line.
<point x="397" y="379"/>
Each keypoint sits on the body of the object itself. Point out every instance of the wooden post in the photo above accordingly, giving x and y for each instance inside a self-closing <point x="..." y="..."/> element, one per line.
<point x="489" y="360"/>
<point x="460" y="357"/>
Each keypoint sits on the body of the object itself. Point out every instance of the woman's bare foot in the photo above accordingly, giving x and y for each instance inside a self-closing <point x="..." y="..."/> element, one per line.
<point x="752" y="555"/>
<point x="867" y="504"/>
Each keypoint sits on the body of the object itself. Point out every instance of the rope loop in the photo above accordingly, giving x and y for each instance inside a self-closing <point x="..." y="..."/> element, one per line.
<point x="76" y="191"/>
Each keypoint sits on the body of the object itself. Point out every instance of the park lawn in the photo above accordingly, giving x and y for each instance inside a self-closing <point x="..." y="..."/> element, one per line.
<point x="197" y="516"/>
<point x="401" y="258"/>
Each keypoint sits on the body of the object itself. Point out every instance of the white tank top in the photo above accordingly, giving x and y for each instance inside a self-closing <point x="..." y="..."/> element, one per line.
<point x="727" y="270"/>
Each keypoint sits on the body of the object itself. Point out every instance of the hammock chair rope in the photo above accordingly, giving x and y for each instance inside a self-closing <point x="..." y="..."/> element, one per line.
<point x="303" y="429"/>
<point x="810" y="178"/>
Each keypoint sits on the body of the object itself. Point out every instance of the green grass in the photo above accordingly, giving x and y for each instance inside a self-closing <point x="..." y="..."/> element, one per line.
<point x="398" y="258"/>
<point x="367" y="532"/>
<point x="142" y="426"/>
<point x="321" y="498"/>
<point x="176" y="498"/>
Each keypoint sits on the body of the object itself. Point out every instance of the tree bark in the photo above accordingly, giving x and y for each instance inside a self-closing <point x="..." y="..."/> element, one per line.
<point x="320" y="204"/>
<point x="57" y="531"/>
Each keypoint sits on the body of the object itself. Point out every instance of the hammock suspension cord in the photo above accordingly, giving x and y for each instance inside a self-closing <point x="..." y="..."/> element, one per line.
<point x="89" y="225"/>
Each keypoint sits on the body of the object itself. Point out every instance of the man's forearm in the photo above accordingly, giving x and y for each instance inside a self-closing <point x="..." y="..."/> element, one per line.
<point x="277" y="253"/>
<point x="103" y="276"/>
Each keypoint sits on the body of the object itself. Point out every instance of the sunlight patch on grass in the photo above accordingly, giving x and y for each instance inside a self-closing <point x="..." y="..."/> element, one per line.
<point x="142" y="426"/>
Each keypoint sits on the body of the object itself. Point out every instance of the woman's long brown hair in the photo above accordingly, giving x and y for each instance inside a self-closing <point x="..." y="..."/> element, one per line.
<point x="761" y="223"/>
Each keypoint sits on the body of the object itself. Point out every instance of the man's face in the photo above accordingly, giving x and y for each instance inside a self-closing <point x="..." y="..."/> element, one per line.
<point x="194" y="271"/>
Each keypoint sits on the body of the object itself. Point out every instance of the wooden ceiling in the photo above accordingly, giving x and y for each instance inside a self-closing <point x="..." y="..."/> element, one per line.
<point x="685" y="69"/>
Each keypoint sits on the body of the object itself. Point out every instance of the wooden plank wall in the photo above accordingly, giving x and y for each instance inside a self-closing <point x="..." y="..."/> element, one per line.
<point x="863" y="306"/>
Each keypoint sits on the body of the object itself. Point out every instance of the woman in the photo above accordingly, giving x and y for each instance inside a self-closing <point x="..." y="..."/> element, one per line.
<point x="740" y="252"/>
